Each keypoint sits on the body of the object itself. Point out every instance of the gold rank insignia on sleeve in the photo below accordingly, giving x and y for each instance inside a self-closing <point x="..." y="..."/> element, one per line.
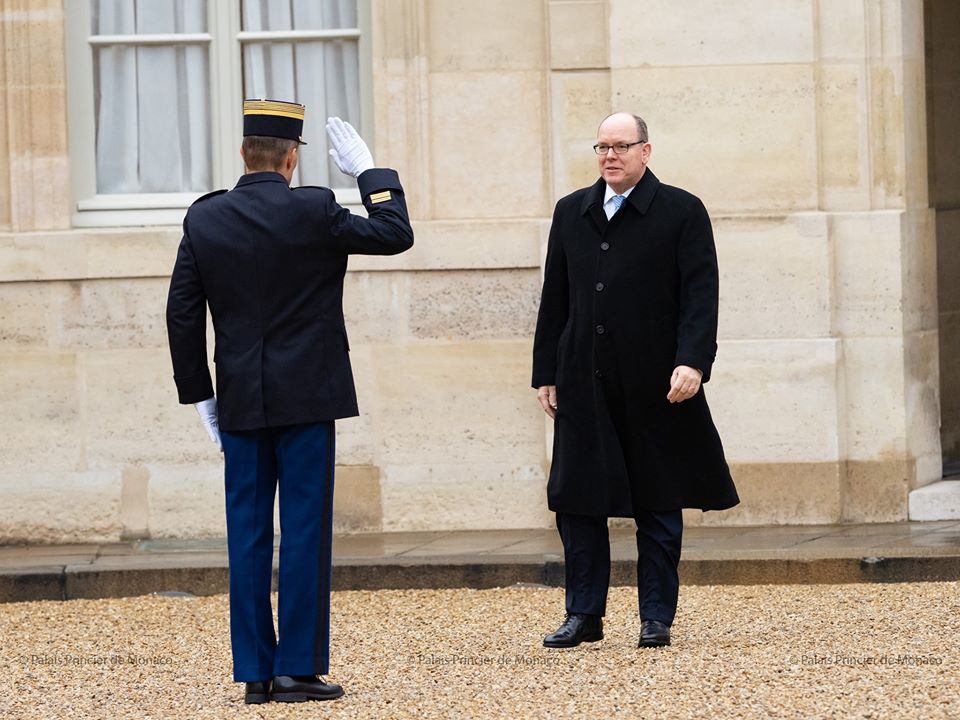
<point x="380" y="197"/>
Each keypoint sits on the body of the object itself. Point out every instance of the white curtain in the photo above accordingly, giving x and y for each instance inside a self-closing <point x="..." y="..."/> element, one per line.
<point x="324" y="76"/>
<point x="152" y="103"/>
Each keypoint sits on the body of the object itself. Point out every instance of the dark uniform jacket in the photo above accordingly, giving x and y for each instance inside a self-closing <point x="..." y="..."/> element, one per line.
<point x="624" y="302"/>
<point x="270" y="262"/>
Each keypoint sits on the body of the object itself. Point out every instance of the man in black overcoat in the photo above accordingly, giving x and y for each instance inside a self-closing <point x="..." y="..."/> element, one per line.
<point x="270" y="260"/>
<point x="626" y="337"/>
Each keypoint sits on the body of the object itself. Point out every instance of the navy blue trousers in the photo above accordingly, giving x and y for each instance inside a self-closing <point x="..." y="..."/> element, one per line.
<point x="301" y="457"/>
<point x="586" y="551"/>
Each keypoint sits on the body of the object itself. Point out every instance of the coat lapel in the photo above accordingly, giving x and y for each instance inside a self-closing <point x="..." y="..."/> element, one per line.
<point x="593" y="204"/>
<point x="643" y="193"/>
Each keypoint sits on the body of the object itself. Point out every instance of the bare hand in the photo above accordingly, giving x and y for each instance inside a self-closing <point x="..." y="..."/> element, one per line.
<point x="547" y="395"/>
<point x="684" y="384"/>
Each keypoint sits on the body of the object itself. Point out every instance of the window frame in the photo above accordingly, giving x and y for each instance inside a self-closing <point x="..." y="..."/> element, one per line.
<point x="224" y="39"/>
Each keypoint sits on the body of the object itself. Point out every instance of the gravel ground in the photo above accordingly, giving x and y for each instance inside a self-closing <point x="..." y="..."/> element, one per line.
<point x="785" y="651"/>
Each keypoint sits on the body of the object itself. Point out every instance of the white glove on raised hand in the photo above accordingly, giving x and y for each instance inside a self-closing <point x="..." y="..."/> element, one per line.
<point x="347" y="148"/>
<point x="208" y="415"/>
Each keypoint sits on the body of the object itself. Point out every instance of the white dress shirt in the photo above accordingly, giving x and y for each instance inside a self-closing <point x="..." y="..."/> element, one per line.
<point x="608" y="207"/>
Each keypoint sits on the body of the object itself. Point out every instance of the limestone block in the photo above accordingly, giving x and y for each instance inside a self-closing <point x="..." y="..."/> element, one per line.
<point x="114" y="314"/>
<point x="492" y="35"/>
<point x="376" y="306"/>
<point x="774" y="276"/>
<point x="470" y="402"/>
<point x="948" y="259"/>
<point x="396" y="28"/>
<point x="709" y="138"/>
<point x="922" y="396"/>
<point x="400" y="88"/>
<point x="41" y="414"/>
<point x="579" y="102"/>
<point x="137" y="252"/>
<point x="42" y="256"/>
<point x="842" y="136"/>
<point x="914" y="99"/>
<point x="894" y="28"/>
<point x="874" y="410"/>
<point x="907" y="17"/>
<point x="579" y="33"/>
<point x="711" y="32"/>
<point x="775" y="401"/>
<point x="51" y="505"/>
<point x="841" y="30"/>
<point x="187" y="500"/>
<point x="499" y="172"/>
<point x="135" y="502"/>
<point x="132" y="416"/>
<point x="780" y="494"/>
<point x="5" y="194"/>
<point x="45" y="136"/>
<point x="83" y="254"/>
<point x="495" y="304"/>
<point x="356" y="500"/>
<point x="36" y="118"/>
<point x="937" y="501"/>
<point x="887" y="134"/>
<point x="876" y="490"/>
<point x="919" y="270"/>
<point x="40" y="199"/>
<point x="464" y="496"/>
<point x="868" y="273"/>
<point x="25" y="310"/>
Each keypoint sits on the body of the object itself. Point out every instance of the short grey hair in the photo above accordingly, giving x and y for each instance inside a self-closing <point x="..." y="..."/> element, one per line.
<point x="641" y="128"/>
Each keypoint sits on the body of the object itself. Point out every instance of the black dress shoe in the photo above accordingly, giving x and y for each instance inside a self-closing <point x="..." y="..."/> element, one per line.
<point x="577" y="628"/>
<point x="300" y="688"/>
<point x="257" y="692"/>
<point x="654" y="633"/>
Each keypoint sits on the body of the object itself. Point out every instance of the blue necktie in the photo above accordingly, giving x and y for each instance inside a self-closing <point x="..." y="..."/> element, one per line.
<point x="617" y="202"/>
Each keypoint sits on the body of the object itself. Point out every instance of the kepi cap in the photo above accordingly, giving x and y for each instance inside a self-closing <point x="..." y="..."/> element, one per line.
<point x="273" y="118"/>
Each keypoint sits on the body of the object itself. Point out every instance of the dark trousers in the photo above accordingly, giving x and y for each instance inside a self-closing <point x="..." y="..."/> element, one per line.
<point x="301" y="457"/>
<point x="586" y="551"/>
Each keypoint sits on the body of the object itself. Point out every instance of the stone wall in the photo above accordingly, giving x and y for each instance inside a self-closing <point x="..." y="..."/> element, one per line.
<point x="801" y="124"/>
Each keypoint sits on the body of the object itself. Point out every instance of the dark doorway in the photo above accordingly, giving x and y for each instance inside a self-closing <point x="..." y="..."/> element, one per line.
<point x="942" y="35"/>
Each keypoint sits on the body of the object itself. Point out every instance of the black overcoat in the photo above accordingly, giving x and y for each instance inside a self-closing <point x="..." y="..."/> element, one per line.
<point x="270" y="262"/>
<point x="623" y="303"/>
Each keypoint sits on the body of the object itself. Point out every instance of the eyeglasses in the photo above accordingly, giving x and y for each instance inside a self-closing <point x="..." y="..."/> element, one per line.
<point x="619" y="148"/>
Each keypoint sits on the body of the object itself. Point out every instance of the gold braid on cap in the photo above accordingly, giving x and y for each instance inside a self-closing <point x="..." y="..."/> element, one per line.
<point x="273" y="107"/>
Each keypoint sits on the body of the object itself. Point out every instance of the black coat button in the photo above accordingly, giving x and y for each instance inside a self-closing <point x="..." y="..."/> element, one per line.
<point x="598" y="373"/>
<point x="601" y="329"/>
<point x="599" y="287"/>
<point x="604" y="245"/>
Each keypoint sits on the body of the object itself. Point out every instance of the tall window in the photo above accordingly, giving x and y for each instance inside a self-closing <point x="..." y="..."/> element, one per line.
<point x="156" y="90"/>
<point x="151" y="91"/>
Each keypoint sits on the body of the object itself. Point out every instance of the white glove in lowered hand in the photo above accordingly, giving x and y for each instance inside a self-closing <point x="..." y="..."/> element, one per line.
<point x="208" y="415"/>
<point x="347" y="148"/>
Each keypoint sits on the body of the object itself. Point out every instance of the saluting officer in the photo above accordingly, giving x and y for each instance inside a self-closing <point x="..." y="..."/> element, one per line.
<point x="270" y="261"/>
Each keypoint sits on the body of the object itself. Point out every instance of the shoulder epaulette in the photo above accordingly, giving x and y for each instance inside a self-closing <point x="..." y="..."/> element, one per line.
<point x="209" y="195"/>
<point x="312" y="187"/>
